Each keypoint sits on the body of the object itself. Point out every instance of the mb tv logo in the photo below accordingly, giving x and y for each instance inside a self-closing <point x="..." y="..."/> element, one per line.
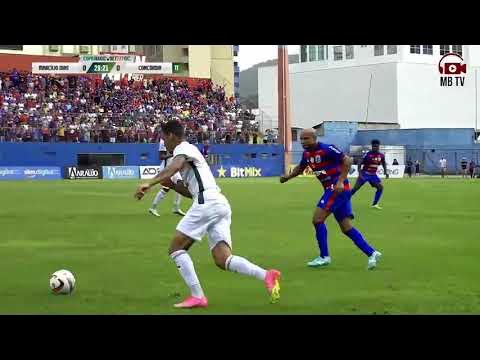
<point x="451" y="66"/>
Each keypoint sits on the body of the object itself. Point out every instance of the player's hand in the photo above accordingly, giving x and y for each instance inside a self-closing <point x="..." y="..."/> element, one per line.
<point x="141" y="190"/>
<point x="339" y="187"/>
<point x="283" y="179"/>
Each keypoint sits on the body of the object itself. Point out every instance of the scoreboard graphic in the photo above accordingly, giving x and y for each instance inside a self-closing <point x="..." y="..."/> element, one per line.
<point x="106" y="64"/>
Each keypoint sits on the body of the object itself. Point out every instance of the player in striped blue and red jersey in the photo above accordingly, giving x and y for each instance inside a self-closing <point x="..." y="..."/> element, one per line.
<point x="368" y="172"/>
<point x="331" y="167"/>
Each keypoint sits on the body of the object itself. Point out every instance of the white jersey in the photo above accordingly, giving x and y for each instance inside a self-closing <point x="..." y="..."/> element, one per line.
<point x="161" y="147"/>
<point x="443" y="163"/>
<point x="196" y="174"/>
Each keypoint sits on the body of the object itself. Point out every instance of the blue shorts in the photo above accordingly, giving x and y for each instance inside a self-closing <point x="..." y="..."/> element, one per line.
<point x="371" y="179"/>
<point x="338" y="204"/>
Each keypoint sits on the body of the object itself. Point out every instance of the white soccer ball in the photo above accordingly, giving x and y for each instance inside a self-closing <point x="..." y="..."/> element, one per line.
<point x="62" y="282"/>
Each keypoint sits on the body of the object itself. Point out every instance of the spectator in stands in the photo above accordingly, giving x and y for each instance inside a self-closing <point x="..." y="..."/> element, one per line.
<point x="81" y="108"/>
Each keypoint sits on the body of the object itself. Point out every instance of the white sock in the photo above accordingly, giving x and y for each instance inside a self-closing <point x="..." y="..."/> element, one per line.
<point x="159" y="197"/>
<point x="243" y="266"/>
<point x="185" y="266"/>
<point x="176" y="203"/>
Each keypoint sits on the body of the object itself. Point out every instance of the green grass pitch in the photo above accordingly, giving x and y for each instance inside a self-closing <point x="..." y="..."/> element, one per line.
<point x="428" y="233"/>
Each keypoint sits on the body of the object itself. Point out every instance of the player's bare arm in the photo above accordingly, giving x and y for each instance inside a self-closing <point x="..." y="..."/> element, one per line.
<point x="346" y="164"/>
<point x="164" y="175"/>
<point x="180" y="188"/>
<point x="298" y="170"/>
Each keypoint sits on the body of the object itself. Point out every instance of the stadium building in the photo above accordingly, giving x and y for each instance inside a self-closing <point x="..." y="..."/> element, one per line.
<point x="215" y="62"/>
<point x="376" y="86"/>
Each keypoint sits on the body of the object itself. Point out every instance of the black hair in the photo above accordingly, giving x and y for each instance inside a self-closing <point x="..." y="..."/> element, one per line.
<point x="174" y="127"/>
<point x="375" y="142"/>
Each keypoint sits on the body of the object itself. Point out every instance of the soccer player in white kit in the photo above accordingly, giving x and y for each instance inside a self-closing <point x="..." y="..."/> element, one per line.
<point x="166" y="159"/>
<point x="210" y="214"/>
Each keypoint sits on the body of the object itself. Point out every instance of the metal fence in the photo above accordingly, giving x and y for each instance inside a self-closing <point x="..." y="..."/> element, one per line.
<point x="430" y="159"/>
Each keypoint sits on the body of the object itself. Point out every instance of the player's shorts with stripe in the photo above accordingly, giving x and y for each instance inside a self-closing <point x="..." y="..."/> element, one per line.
<point x="371" y="179"/>
<point x="338" y="204"/>
<point x="212" y="218"/>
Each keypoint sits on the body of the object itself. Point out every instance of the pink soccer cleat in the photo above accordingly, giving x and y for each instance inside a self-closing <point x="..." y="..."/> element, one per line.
<point x="192" y="302"/>
<point x="272" y="283"/>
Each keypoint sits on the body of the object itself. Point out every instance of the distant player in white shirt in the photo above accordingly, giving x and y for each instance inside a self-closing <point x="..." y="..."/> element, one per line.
<point x="166" y="159"/>
<point x="210" y="214"/>
<point x="443" y="166"/>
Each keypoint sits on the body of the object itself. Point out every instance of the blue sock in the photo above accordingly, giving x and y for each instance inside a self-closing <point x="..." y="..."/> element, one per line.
<point x="378" y="195"/>
<point x="321" y="232"/>
<point x="358" y="239"/>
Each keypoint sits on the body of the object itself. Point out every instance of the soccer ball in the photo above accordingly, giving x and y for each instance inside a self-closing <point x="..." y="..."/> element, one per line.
<point x="62" y="282"/>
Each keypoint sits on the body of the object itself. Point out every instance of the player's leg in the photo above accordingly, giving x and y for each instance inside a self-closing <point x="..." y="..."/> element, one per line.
<point x="191" y="228"/>
<point x="178" y="198"/>
<point x="358" y="184"/>
<point x="157" y="200"/>
<point x="178" y="252"/>
<point x="320" y="215"/>
<point x="344" y="215"/>
<point x="377" y="184"/>
<point x="220" y="243"/>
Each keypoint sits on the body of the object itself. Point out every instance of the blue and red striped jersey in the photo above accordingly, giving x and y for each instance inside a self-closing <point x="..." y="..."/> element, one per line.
<point x="325" y="161"/>
<point x="371" y="161"/>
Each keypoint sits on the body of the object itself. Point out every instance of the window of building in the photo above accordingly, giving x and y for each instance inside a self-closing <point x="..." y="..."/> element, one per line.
<point x="312" y="53"/>
<point x="349" y="52"/>
<point x="185" y="51"/>
<point x="53" y="48"/>
<point x="378" y="50"/>
<point x="363" y="46"/>
<point x="321" y="52"/>
<point x="444" y="49"/>
<point x="303" y="53"/>
<point x="427" y="49"/>
<point x="414" y="49"/>
<point x="338" y="52"/>
<point x="84" y="49"/>
<point x="391" y="49"/>
<point x="457" y="49"/>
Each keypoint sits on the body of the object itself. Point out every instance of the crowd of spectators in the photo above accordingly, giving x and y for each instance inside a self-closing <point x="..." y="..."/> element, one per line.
<point x="91" y="109"/>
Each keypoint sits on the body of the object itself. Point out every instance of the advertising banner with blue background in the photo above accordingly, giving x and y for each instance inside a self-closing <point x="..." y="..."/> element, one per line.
<point x="30" y="173"/>
<point x="121" y="172"/>
<point x="240" y="171"/>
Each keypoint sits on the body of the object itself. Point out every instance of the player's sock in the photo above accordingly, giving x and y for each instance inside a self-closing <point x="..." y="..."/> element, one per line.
<point x="321" y="233"/>
<point x="243" y="266"/>
<point x="158" y="198"/>
<point x="176" y="204"/>
<point x="358" y="239"/>
<point x="378" y="195"/>
<point x="185" y="267"/>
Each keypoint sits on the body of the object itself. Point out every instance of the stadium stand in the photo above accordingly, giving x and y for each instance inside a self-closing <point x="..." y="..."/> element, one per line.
<point x="48" y="108"/>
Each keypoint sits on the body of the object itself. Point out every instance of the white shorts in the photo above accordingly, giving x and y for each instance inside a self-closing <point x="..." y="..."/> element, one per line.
<point x="213" y="218"/>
